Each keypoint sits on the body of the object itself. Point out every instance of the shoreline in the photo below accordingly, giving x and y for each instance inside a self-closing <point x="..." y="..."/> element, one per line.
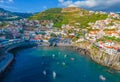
<point x="88" y="53"/>
<point x="47" y="44"/>
<point x="85" y="51"/>
<point x="4" y="64"/>
<point x="82" y="51"/>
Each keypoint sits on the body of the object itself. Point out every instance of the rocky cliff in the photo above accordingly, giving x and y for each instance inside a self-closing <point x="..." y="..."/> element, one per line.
<point x="99" y="56"/>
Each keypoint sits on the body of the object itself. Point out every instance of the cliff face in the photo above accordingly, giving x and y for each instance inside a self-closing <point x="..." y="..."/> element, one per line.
<point x="99" y="56"/>
<point x="105" y="59"/>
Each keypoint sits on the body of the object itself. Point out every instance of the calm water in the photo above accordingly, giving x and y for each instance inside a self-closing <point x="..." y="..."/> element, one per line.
<point x="69" y="66"/>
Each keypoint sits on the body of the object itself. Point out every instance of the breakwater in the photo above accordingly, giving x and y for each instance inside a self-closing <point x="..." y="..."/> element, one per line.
<point x="9" y="57"/>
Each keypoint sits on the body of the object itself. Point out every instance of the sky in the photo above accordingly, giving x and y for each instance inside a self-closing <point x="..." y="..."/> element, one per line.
<point x="33" y="6"/>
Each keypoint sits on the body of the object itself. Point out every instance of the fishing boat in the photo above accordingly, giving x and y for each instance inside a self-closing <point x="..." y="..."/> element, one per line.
<point x="44" y="72"/>
<point x="65" y="56"/>
<point x="72" y="59"/>
<point x="63" y="63"/>
<point x="54" y="74"/>
<point x="102" y="77"/>
<point x="53" y="55"/>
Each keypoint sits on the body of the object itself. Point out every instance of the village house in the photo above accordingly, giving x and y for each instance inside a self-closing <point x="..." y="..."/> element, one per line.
<point x="108" y="46"/>
<point x="114" y="15"/>
<point x="94" y="35"/>
<point x="112" y="34"/>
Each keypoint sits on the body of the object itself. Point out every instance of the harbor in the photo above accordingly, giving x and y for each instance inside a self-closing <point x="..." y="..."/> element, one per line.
<point x="58" y="64"/>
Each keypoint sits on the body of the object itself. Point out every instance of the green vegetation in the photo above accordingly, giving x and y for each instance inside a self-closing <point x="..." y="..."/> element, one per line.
<point x="53" y="35"/>
<point x="3" y="24"/>
<point x="109" y="29"/>
<point x="112" y="38"/>
<point x="71" y="18"/>
<point x="94" y="47"/>
<point x="53" y="14"/>
<point x="109" y="38"/>
<point x="75" y="38"/>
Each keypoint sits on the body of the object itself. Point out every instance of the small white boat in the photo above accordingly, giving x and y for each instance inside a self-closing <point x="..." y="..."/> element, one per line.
<point x="44" y="72"/>
<point x="102" y="77"/>
<point x="72" y="59"/>
<point x="54" y="74"/>
<point x="65" y="56"/>
<point x="53" y="55"/>
<point x="63" y="63"/>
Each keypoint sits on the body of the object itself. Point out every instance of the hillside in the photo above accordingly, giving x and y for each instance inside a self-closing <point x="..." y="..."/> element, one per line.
<point x="70" y="15"/>
<point x="6" y="15"/>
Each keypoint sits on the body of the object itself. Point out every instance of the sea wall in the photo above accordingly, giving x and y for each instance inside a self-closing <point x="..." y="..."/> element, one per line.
<point x="99" y="56"/>
<point x="10" y="57"/>
<point x="6" y="62"/>
<point x="47" y="44"/>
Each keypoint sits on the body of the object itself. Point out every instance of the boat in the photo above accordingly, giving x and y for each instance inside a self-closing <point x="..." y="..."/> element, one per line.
<point x="63" y="63"/>
<point x="72" y="59"/>
<point x="54" y="74"/>
<point x="44" y="72"/>
<point x="65" y="56"/>
<point x="53" y="55"/>
<point x="102" y="77"/>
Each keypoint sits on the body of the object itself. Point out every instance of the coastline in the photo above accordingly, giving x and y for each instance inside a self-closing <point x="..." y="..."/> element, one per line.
<point x="94" y="54"/>
<point x="81" y="49"/>
<point x="6" y="62"/>
<point x="85" y="51"/>
<point x="99" y="57"/>
<point x="10" y="57"/>
<point x="47" y="44"/>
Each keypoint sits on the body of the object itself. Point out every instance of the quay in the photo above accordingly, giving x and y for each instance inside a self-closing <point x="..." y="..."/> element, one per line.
<point x="7" y="59"/>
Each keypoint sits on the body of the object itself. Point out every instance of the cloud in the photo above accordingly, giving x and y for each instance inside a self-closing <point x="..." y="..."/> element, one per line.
<point x="91" y="4"/>
<point x="86" y="3"/>
<point x="45" y="7"/>
<point x="3" y="1"/>
<point x="65" y="3"/>
<point x="10" y="0"/>
<point x="60" y="1"/>
<point x="7" y="7"/>
<point x="6" y="4"/>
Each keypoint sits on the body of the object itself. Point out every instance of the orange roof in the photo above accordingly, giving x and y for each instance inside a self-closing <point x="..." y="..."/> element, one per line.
<point x="115" y="32"/>
<point x="109" y="41"/>
<point x="94" y="32"/>
<point x="115" y="48"/>
<point x="109" y="46"/>
<point x="111" y="32"/>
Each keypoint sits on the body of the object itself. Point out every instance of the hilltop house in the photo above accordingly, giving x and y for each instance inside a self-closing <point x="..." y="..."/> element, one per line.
<point x="108" y="46"/>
